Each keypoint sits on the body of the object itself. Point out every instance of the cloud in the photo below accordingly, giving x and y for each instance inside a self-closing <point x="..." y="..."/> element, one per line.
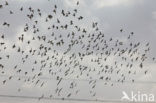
<point x="154" y="14"/>
<point x="88" y="11"/>
<point x="105" y="3"/>
<point x="111" y="3"/>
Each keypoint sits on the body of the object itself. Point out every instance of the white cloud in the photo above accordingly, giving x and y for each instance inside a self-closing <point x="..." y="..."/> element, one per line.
<point x="106" y="3"/>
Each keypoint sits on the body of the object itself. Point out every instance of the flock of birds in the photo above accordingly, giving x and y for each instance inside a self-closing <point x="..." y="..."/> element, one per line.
<point x="63" y="49"/>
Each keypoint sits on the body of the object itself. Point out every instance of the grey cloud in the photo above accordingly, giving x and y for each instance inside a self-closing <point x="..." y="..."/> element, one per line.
<point x="136" y="17"/>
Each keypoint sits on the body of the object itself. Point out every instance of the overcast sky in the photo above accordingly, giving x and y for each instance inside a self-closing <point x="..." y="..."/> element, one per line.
<point x="138" y="16"/>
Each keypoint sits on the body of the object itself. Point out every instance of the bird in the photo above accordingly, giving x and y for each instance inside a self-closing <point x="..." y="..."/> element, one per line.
<point x="1" y="6"/>
<point x="50" y="16"/>
<point x="2" y="36"/>
<point x="77" y="3"/>
<point x="132" y="33"/>
<point x="11" y="12"/>
<point x="121" y="30"/>
<point x="6" y="3"/>
<point x="6" y="24"/>
<point x="21" y="9"/>
<point x="55" y="6"/>
<point x="146" y="72"/>
<point x="4" y="81"/>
